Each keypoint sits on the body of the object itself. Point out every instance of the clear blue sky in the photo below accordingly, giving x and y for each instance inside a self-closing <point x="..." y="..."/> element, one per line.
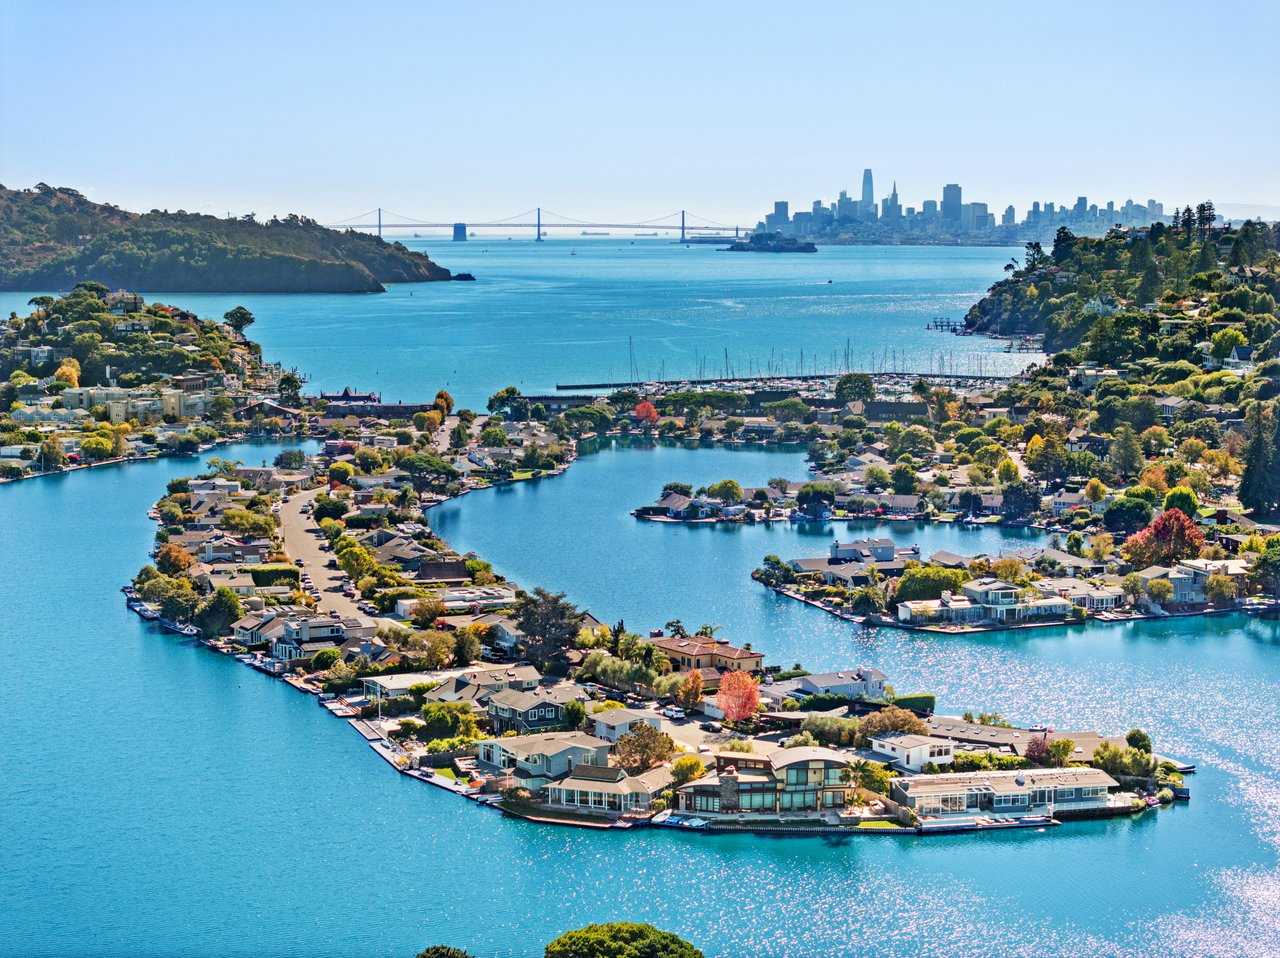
<point x="479" y="110"/>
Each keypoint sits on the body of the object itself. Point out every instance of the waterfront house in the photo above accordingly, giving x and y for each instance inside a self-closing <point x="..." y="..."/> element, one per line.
<point x="857" y="683"/>
<point x="378" y="688"/>
<point x="913" y="752"/>
<point x="443" y="572"/>
<point x="302" y="636"/>
<point x="949" y="607"/>
<point x="1002" y="602"/>
<point x="699" y="653"/>
<point x="531" y="761"/>
<point x="788" y="780"/>
<point x="1185" y="590"/>
<point x="1201" y="569"/>
<point x="1024" y="791"/>
<point x="865" y="550"/>
<point x="477" y="597"/>
<point x="1096" y="597"/>
<point x="514" y="710"/>
<point x="612" y="724"/>
<point x="607" y="789"/>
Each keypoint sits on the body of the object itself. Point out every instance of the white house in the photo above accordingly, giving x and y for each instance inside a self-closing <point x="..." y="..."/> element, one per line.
<point x="612" y="724"/>
<point x="913" y="752"/>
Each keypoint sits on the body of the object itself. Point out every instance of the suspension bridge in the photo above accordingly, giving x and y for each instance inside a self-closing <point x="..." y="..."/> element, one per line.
<point x="538" y="221"/>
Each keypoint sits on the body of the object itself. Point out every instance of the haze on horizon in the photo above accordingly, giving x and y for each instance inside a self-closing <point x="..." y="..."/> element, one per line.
<point x="445" y="112"/>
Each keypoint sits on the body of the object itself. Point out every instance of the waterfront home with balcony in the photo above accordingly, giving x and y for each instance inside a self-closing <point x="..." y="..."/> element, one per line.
<point x="1024" y="791"/>
<point x="534" y="760"/>
<point x="789" y="780"/>
<point x="1002" y="602"/>
<point x="512" y="710"/>
<point x="1099" y="597"/>
<point x="607" y="789"/>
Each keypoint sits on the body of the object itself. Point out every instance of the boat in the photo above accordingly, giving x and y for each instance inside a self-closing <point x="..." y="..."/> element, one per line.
<point x="144" y="610"/>
<point x="593" y="233"/>
<point x="695" y="823"/>
<point x="190" y="631"/>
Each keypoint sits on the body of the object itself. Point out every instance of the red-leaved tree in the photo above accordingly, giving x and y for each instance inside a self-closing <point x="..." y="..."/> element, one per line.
<point x="646" y="412"/>
<point x="739" y="695"/>
<point x="1170" y="538"/>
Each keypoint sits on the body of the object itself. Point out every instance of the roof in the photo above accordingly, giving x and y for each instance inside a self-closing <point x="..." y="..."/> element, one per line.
<point x="703" y="646"/>
<point x="1014" y="781"/>
<point x="793" y="756"/>
<point x="523" y="701"/>
<point x="908" y="740"/>
<point x="615" y="717"/>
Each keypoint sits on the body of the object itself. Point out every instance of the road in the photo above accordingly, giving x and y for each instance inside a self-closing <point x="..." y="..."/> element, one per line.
<point x="301" y="542"/>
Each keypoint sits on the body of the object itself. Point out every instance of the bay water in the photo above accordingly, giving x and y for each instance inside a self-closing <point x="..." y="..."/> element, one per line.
<point x="158" y="799"/>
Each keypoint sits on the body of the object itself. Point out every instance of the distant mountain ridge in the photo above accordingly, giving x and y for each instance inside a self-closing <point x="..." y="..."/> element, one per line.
<point x="53" y="237"/>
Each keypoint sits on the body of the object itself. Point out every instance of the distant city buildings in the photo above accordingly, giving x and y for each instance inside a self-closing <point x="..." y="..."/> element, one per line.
<point x="949" y="220"/>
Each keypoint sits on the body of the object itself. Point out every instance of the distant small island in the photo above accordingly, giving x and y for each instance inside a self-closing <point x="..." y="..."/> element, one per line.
<point x="771" y="243"/>
<point x="53" y="238"/>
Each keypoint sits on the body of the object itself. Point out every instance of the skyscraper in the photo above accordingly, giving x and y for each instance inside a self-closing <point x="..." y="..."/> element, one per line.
<point x="868" y="194"/>
<point x="951" y="203"/>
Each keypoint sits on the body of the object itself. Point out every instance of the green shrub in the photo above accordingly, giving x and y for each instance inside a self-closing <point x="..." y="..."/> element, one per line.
<point x="920" y="702"/>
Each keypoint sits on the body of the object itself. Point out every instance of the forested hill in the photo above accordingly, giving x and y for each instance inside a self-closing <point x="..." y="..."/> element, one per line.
<point x="52" y="238"/>
<point x="1144" y="273"/>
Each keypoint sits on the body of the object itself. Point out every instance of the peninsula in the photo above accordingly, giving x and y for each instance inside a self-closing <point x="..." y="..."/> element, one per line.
<point x="53" y="238"/>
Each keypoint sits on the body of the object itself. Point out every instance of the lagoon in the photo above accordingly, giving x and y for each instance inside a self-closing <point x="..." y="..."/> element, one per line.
<point x="157" y="799"/>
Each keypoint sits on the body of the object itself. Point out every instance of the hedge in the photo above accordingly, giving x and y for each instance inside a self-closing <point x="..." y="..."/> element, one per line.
<point x="920" y="702"/>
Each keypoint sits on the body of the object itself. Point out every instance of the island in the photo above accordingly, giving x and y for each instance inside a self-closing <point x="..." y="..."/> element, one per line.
<point x="771" y="243"/>
<point x="54" y="238"/>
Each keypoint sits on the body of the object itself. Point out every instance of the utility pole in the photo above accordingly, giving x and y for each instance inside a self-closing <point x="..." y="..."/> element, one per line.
<point x="538" y="234"/>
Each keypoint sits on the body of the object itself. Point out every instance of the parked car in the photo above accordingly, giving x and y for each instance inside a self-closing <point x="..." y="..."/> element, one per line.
<point x="674" y="713"/>
<point x="299" y="563"/>
<point x="711" y="727"/>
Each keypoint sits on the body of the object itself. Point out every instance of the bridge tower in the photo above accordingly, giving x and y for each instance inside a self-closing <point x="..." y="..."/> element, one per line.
<point x="379" y="222"/>
<point x="538" y="228"/>
<point x="459" y="232"/>
<point x="682" y="226"/>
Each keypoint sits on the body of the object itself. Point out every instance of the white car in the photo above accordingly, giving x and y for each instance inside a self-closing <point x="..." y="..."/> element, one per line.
<point x="674" y="713"/>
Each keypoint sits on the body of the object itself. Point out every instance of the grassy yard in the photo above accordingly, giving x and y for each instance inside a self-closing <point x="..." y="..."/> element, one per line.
<point x="879" y="825"/>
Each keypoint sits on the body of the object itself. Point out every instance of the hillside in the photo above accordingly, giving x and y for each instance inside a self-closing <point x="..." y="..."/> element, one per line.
<point x="52" y="238"/>
<point x="1059" y="294"/>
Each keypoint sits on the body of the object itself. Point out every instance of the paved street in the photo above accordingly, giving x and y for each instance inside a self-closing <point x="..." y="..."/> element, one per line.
<point x="301" y="542"/>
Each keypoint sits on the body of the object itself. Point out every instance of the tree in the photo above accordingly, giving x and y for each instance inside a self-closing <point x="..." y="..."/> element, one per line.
<point x="443" y="951"/>
<point x="1126" y="452"/>
<point x="929" y="582"/>
<point x="574" y="714"/>
<point x="1101" y="546"/>
<point x="425" y="612"/>
<point x="291" y="459"/>
<point x="1095" y="490"/>
<point x="342" y="472"/>
<point x="493" y="437"/>
<point x="290" y="389"/>
<point x="96" y="447"/>
<point x="620" y="940"/>
<point x="444" y="402"/>
<point x="903" y="479"/>
<point x="326" y="507"/>
<point x="1260" y="480"/>
<point x="459" y="436"/>
<point x="437" y="647"/>
<point x="1167" y="540"/>
<point x="549" y="621"/>
<point x="1020" y="499"/>
<point x="1224" y="342"/>
<point x="172" y="559"/>
<point x="1138" y="739"/>
<point x="643" y="747"/>
<point x="739" y="696"/>
<point x="646" y="413"/>
<point x="876" y="478"/>
<point x="1132" y="585"/>
<point x="726" y="490"/>
<point x="1037" y="750"/>
<point x="325" y="659"/>
<point x="1127" y="514"/>
<point x="217" y="613"/>
<point x="689" y="695"/>
<point x="238" y="319"/>
<point x="1061" y="749"/>
<point x="1220" y="589"/>
<point x="686" y="768"/>
<point x="888" y="719"/>
<point x="466" y="647"/>
<point x="1182" y="498"/>
<point x="1160" y="591"/>
<point x="854" y="387"/>
<point x="787" y="410"/>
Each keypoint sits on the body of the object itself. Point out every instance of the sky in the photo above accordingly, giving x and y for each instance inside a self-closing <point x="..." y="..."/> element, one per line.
<point x="481" y="110"/>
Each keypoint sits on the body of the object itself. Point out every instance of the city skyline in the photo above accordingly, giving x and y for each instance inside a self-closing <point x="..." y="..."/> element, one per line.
<point x="319" y="109"/>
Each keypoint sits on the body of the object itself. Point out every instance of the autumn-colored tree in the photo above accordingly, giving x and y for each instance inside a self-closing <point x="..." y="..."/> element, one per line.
<point x="686" y="768"/>
<point x="1008" y="570"/>
<point x="172" y="559"/>
<point x="647" y="413"/>
<point x="1095" y="490"/>
<point x="1220" y="589"/>
<point x="689" y="695"/>
<point x="739" y="696"/>
<point x="1037" y="750"/>
<point x="1167" y="540"/>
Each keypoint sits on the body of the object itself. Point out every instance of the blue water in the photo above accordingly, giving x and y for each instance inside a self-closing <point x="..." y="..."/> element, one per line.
<point x="537" y="316"/>
<point x="157" y="799"/>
